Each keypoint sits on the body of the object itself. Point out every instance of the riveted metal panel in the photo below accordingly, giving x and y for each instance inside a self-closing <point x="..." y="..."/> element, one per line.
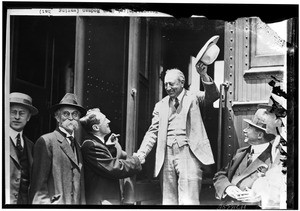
<point x="105" y="69"/>
<point x="229" y="136"/>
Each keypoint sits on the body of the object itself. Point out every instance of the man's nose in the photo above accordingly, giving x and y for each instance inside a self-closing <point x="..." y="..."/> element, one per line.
<point x="17" y="116"/>
<point x="70" y="117"/>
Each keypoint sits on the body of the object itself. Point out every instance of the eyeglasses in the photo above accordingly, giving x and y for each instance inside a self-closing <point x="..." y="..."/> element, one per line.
<point x="14" y="113"/>
<point x="67" y="114"/>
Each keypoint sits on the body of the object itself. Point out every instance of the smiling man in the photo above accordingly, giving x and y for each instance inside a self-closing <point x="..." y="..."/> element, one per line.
<point x="182" y="143"/>
<point x="105" y="162"/>
<point x="21" y="110"/>
<point x="57" y="171"/>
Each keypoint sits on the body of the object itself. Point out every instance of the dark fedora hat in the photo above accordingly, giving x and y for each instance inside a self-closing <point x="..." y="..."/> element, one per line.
<point x="24" y="100"/>
<point x="69" y="99"/>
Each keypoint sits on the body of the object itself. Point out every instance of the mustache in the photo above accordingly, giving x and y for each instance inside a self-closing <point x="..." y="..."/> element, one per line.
<point x="73" y="123"/>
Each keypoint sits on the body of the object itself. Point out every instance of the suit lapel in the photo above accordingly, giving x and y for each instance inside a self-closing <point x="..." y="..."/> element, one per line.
<point x="238" y="165"/>
<point x="264" y="158"/>
<point x="28" y="146"/>
<point x="186" y="102"/>
<point x="77" y="148"/>
<point x="13" y="153"/>
<point x="66" y="148"/>
<point x="164" y="115"/>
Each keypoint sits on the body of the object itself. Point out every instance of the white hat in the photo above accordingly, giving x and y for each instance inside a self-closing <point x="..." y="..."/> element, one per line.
<point x="209" y="52"/>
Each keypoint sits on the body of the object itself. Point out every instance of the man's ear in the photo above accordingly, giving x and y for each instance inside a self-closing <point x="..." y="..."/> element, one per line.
<point x="28" y="118"/>
<point x="95" y="127"/>
<point x="260" y="135"/>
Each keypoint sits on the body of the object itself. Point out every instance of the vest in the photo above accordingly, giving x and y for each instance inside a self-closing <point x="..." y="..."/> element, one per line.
<point x="24" y="183"/>
<point x="176" y="126"/>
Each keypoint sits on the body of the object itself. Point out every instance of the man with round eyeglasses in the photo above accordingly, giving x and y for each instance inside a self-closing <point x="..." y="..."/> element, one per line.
<point x="21" y="110"/>
<point x="57" y="163"/>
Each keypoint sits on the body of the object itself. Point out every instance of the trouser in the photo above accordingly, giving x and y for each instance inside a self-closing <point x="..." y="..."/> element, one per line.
<point x="181" y="176"/>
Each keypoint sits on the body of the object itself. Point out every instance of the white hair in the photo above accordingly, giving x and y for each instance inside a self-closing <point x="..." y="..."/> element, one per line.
<point x="178" y="73"/>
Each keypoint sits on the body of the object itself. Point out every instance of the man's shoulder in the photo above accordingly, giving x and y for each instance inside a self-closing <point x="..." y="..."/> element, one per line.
<point x="48" y="136"/>
<point x="91" y="141"/>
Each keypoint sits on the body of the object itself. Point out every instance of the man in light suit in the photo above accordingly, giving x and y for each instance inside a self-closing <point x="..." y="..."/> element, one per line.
<point x="105" y="162"/>
<point x="21" y="110"/>
<point x="57" y="171"/>
<point x="234" y="183"/>
<point x="178" y="130"/>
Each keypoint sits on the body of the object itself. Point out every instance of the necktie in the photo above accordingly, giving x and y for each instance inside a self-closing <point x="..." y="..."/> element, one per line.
<point x="249" y="161"/>
<point x="176" y="102"/>
<point x="71" y="138"/>
<point x="19" y="146"/>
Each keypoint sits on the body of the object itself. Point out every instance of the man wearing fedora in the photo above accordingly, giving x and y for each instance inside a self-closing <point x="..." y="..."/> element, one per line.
<point x="57" y="171"/>
<point x="21" y="110"/>
<point x="178" y="129"/>
<point x="234" y="183"/>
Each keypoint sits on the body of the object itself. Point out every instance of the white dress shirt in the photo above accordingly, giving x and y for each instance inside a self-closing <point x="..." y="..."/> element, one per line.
<point x="13" y="135"/>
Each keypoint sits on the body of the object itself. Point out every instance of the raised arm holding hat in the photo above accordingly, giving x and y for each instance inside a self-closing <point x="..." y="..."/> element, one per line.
<point x="178" y="131"/>
<point x="57" y="171"/>
<point x="21" y="110"/>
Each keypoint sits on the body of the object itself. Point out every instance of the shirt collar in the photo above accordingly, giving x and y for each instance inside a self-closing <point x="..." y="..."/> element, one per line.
<point x="65" y="132"/>
<point x="180" y="96"/>
<point x="13" y="134"/>
<point x="101" y="139"/>
<point x="258" y="149"/>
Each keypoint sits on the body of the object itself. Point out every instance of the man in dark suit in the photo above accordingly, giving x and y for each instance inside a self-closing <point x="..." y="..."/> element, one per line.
<point x="104" y="162"/>
<point x="178" y="130"/>
<point x="21" y="110"/>
<point x="57" y="171"/>
<point x="233" y="183"/>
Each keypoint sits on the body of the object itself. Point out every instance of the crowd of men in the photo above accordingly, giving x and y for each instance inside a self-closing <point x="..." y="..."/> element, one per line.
<point x="56" y="169"/>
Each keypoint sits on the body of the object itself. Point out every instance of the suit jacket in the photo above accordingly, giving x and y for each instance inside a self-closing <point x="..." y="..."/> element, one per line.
<point x="15" y="168"/>
<point x="57" y="178"/>
<point x="103" y="171"/>
<point x="196" y="133"/>
<point x="237" y="173"/>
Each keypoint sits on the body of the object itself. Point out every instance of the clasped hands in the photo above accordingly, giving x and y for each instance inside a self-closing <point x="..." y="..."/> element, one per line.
<point x="140" y="156"/>
<point x="244" y="196"/>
